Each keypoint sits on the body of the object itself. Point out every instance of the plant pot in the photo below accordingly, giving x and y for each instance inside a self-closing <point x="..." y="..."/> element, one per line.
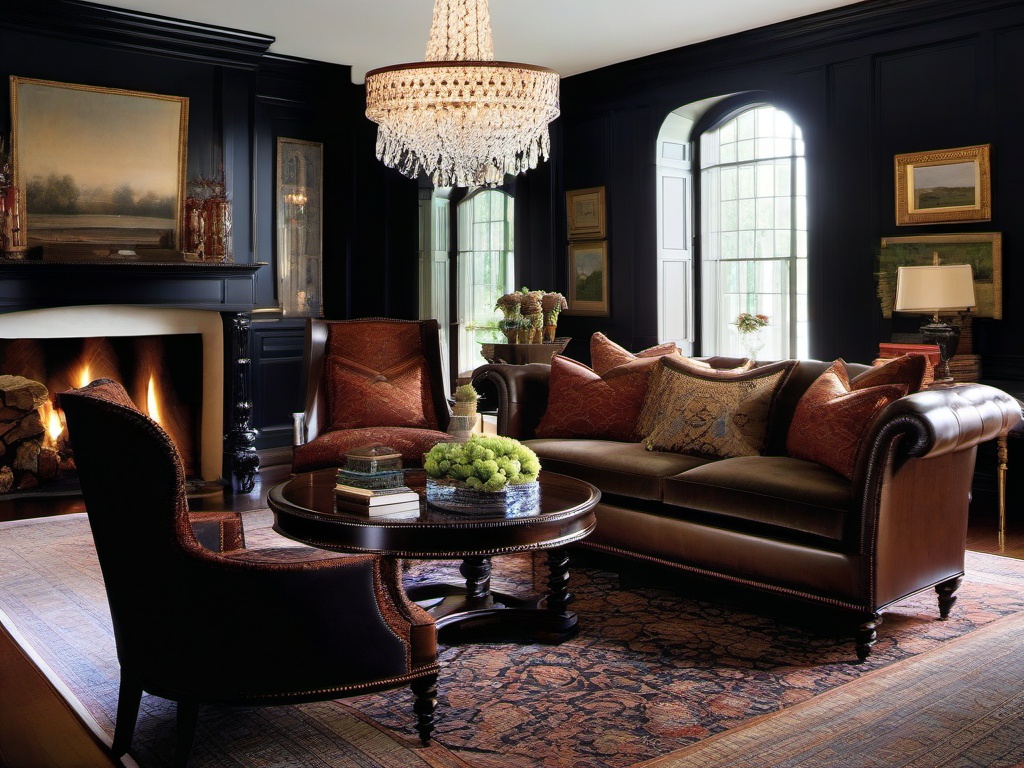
<point x="519" y="500"/>
<point x="464" y="408"/>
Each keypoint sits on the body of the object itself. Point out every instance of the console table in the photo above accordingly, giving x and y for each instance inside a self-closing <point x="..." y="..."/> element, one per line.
<point x="1015" y="389"/>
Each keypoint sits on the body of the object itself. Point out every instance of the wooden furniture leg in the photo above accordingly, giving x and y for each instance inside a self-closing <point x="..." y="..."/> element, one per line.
<point x="1003" y="461"/>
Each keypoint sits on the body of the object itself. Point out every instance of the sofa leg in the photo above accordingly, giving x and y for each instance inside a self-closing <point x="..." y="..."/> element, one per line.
<point x="425" y="689"/>
<point x="945" y="591"/>
<point x="866" y="636"/>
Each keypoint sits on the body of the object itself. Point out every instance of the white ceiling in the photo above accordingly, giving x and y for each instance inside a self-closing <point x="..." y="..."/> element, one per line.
<point x="570" y="36"/>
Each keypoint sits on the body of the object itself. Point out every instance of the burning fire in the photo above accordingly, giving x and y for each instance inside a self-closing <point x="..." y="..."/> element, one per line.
<point x="152" y="404"/>
<point x="53" y="420"/>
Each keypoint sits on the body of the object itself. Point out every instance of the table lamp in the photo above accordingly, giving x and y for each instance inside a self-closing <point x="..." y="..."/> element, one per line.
<point x="932" y="290"/>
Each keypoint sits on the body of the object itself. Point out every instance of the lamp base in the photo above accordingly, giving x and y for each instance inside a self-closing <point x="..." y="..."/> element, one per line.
<point x="947" y="339"/>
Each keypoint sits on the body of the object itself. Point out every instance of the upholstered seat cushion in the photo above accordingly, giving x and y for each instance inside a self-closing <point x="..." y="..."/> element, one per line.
<point x="624" y="469"/>
<point x="790" y="498"/>
<point x="329" y="449"/>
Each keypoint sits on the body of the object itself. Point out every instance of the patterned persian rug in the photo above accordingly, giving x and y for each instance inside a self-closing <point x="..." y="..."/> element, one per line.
<point x="656" y="677"/>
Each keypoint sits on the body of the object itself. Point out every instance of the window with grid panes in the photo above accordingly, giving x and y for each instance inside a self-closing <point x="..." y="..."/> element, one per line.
<point x="485" y="270"/>
<point x="754" y="232"/>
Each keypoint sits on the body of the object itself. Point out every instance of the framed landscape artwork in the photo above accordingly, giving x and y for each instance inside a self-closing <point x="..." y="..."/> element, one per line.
<point x="982" y="250"/>
<point x="585" y="213"/>
<point x="949" y="185"/>
<point x="588" y="279"/>
<point x="101" y="170"/>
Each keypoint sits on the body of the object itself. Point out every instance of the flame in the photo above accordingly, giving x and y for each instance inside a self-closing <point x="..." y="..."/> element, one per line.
<point x="152" y="406"/>
<point x="53" y="420"/>
<point x="84" y="376"/>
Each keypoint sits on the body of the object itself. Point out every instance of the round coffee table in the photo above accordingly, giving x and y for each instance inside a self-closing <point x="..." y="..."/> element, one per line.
<point x="304" y="510"/>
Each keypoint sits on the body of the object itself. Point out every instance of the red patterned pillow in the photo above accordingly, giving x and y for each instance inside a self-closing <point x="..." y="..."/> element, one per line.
<point x="832" y="418"/>
<point x="605" y="354"/>
<point x="396" y="397"/>
<point x="583" y="404"/>
<point x="908" y="370"/>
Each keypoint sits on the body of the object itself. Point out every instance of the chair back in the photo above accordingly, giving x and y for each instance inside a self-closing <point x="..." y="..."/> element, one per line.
<point x="133" y="485"/>
<point x="373" y="372"/>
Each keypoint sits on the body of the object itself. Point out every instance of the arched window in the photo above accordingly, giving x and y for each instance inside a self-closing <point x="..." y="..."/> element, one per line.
<point x="753" y="231"/>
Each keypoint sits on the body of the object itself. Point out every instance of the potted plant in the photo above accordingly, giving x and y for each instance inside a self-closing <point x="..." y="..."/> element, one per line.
<point x="484" y="475"/>
<point x="751" y="328"/>
<point x="466" y="397"/>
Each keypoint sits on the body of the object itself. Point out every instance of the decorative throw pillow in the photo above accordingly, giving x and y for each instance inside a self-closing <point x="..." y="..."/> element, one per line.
<point x="361" y="397"/>
<point x="715" y="414"/>
<point x="832" y="418"/>
<point x="605" y="354"/>
<point x="908" y="370"/>
<point x="583" y="404"/>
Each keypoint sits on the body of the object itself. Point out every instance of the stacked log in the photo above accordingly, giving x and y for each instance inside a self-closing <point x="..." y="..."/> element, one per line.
<point x="25" y="460"/>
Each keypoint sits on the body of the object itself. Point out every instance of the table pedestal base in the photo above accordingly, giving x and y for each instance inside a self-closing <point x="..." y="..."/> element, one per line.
<point x="476" y="614"/>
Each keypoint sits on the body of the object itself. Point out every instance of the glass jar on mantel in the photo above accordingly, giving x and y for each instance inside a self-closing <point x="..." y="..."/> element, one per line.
<point x="207" y="229"/>
<point x="12" y="235"/>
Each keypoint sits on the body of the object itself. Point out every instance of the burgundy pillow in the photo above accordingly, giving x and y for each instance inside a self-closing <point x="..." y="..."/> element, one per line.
<point x="605" y="354"/>
<point x="832" y="418"/>
<point x="908" y="370"/>
<point x="585" y="405"/>
<point x="396" y="397"/>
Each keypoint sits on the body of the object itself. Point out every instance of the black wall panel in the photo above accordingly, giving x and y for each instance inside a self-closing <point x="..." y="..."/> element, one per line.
<point x="864" y="82"/>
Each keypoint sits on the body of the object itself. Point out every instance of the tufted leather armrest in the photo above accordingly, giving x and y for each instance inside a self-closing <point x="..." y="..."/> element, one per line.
<point x="947" y="418"/>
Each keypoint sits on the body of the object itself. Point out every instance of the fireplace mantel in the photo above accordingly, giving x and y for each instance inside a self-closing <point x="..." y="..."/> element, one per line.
<point x="223" y="287"/>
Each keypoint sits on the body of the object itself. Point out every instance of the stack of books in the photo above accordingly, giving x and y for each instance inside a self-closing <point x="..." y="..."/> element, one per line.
<point x="400" y="501"/>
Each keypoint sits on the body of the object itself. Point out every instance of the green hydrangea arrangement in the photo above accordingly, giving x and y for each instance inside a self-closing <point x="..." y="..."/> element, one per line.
<point x="484" y="462"/>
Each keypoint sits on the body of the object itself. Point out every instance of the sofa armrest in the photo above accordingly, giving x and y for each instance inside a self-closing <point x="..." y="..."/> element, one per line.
<point x="521" y="392"/>
<point x="916" y="472"/>
<point x="946" y="418"/>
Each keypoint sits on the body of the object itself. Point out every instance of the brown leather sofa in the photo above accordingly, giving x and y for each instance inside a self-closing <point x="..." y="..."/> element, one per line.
<point x="779" y="524"/>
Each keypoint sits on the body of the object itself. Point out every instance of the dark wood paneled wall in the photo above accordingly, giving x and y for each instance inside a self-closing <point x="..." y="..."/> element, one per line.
<point x="864" y="82"/>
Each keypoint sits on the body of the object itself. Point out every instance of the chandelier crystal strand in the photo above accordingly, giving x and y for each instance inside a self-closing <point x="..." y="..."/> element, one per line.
<point x="461" y="117"/>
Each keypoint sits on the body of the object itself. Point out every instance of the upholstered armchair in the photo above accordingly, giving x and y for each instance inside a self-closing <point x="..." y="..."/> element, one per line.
<point x="371" y="381"/>
<point x="243" y="627"/>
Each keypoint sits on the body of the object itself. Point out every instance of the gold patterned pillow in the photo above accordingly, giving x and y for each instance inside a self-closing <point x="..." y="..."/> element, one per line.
<point x="713" y="414"/>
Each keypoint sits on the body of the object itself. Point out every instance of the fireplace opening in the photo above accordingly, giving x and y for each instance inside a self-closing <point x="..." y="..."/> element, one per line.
<point x="163" y="375"/>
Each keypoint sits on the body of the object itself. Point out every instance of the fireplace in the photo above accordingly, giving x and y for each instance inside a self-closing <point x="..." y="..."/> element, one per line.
<point x="170" y="360"/>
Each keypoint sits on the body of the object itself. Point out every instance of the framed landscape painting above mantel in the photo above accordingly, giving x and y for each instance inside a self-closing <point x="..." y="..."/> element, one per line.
<point x="101" y="170"/>
<point x="944" y="186"/>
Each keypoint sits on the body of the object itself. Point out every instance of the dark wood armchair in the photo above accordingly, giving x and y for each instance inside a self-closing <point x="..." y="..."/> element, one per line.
<point x="371" y="381"/>
<point x="243" y="627"/>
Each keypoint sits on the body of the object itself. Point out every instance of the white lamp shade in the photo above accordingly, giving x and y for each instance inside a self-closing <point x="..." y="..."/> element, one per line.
<point x="934" y="288"/>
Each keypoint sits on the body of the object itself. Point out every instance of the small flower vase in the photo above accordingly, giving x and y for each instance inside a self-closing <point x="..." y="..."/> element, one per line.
<point x="753" y="342"/>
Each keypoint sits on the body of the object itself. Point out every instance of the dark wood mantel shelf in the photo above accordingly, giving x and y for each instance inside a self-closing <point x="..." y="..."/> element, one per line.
<point x="36" y="284"/>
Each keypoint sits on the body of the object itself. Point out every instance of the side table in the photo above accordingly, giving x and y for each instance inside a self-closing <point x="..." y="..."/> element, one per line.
<point x="1014" y="389"/>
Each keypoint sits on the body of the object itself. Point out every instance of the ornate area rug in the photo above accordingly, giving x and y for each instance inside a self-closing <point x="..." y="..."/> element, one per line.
<point x="655" y="675"/>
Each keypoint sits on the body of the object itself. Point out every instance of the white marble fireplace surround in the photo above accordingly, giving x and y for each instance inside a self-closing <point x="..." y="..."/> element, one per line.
<point x="126" y="320"/>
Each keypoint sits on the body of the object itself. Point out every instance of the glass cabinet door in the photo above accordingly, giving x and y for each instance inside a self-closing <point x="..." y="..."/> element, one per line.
<point x="299" y="233"/>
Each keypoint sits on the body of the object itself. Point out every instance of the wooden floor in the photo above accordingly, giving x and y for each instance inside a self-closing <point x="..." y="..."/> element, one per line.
<point x="39" y="730"/>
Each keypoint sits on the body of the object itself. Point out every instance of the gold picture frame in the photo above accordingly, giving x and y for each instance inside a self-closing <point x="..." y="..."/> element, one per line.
<point x="944" y="186"/>
<point x="982" y="250"/>
<point x="584" y="209"/>
<point x="101" y="171"/>
<point x="588" y="279"/>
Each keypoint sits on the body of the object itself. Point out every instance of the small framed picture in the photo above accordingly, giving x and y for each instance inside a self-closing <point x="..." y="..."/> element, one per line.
<point x="588" y="279"/>
<point x="948" y="185"/>
<point x="585" y="213"/>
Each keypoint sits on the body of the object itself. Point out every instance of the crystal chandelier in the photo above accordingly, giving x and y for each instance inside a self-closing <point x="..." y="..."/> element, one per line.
<point x="461" y="117"/>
